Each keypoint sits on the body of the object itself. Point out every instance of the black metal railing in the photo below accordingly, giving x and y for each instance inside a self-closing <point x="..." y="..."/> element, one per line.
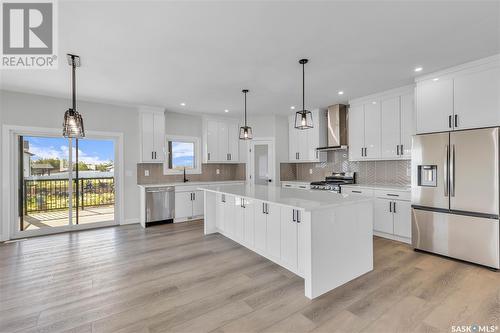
<point x="53" y="194"/>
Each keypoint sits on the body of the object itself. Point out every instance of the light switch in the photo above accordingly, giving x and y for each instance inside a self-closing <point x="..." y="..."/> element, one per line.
<point x="217" y="171"/>
<point x="146" y="173"/>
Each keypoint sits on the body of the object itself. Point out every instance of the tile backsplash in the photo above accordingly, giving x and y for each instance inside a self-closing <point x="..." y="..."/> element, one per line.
<point x="397" y="172"/>
<point x="208" y="173"/>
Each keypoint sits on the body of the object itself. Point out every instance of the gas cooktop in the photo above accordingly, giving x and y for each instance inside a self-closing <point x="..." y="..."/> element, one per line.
<point x="333" y="183"/>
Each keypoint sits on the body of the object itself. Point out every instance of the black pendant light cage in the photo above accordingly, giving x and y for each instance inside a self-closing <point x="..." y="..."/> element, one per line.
<point x="73" y="121"/>
<point x="246" y="131"/>
<point x="303" y="118"/>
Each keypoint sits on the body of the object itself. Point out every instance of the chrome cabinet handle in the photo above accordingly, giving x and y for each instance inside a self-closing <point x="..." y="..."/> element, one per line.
<point x="446" y="169"/>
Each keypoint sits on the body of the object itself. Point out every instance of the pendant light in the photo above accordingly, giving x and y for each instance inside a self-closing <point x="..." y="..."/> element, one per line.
<point x="303" y="118"/>
<point x="246" y="131"/>
<point x="73" y="122"/>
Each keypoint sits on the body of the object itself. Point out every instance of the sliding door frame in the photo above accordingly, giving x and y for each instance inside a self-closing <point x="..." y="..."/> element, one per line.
<point x="11" y="173"/>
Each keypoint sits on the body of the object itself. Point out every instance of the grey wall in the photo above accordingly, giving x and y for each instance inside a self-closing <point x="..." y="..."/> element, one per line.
<point x="22" y="109"/>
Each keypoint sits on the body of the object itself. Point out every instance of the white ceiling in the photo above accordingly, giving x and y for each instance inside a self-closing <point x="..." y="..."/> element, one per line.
<point x="204" y="53"/>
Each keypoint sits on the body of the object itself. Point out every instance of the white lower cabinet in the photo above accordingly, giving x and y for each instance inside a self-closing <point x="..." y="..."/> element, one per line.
<point x="188" y="205"/>
<point x="273" y="231"/>
<point x="402" y="220"/>
<point x="383" y="217"/>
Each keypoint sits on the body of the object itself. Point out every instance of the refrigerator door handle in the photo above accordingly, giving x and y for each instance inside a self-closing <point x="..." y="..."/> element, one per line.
<point x="445" y="170"/>
<point x="452" y="171"/>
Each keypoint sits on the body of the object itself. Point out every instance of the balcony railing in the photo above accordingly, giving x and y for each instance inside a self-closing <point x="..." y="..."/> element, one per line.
<point x="53" y="194"/>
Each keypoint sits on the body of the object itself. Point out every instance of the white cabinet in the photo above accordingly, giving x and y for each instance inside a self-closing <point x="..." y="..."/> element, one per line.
<point x="383" y="216"/>
<point x="239" y="219"/>
<point x="221" y="141"/>
<point x="188" y="205"/>
<point x="477" y="99"/>
<point x="229" y="215"/>
<point x="381" y="125"/>
<point x="249" y="224"/>
<point x="289" y="237"/>
<point x="220" y="201"/>
<point x="402" y="220"/>
<point x="152" y="135"/>
<point x="302" y="144"/>
<point x="463" y="97"/>
<point x="434" y="105"/>
<point x="273" y="238"/>
<point x="356" y="120"/>
<point x="260" y="227"/>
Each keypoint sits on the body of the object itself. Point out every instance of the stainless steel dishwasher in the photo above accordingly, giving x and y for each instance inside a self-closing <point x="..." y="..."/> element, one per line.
<point x="160" y="205"/>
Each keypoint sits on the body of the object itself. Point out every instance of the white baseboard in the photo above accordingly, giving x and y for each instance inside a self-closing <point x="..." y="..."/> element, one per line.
<point x="3" y="239"/>
<point x="129" y="221"/>
<point x="392" y="237"/>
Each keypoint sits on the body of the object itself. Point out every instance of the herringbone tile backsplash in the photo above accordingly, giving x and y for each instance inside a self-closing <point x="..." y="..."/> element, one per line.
<point x="396" y="172"/>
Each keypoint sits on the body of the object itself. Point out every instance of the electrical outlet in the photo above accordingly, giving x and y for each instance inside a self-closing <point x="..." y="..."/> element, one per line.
<point x="217" y="171"/>
<point x="146" y="173"/>
<point x="310" y="171"/>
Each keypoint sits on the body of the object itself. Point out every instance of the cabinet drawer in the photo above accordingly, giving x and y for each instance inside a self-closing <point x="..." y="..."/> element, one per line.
<point x="394" y="195"/>
<point x="302" y="186"/>
<point x="357" y="191"/>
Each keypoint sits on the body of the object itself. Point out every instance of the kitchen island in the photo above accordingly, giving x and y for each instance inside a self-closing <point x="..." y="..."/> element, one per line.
<point x="324" y="237"/>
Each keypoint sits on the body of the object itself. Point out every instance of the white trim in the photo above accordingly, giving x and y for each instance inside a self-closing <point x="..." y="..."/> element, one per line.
<point x="383" y="95"/>
<point x="9" y="189"/>
<point x="197" y="154"/>
<point x="270" y="141"/>
<point x="129" y="221"/>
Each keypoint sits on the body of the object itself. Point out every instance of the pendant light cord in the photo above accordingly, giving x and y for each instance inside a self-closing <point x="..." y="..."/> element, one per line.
<point x="73" y="65"/>
<point x="303" y="88"/>
<point x="245" y="109"/>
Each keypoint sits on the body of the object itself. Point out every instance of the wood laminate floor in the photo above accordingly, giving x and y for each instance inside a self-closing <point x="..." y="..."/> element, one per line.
<point x="172" y="278"/>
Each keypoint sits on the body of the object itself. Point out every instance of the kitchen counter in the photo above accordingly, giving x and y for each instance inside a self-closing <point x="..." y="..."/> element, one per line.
<point x="194" y="183"/>
<point x="324" y="237"/>
<point x="297" y="198"/>
<point x="380" y="187"/>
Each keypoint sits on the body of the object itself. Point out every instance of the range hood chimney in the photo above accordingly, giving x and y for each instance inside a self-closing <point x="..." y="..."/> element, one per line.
<point x="337" y="128"/>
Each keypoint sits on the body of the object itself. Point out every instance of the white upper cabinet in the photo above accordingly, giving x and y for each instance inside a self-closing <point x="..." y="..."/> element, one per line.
<point x="152" y="129"/>
<point x="463" y="97"/>
<point x="220" y="141"/>
<point x="302" y="144"/>
<point x="434" y="105"/>
<point x="477" y="99"/>
<point x="381" y="125"/>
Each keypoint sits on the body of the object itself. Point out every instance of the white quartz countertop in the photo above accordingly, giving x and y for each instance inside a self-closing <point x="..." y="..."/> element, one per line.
<point x="190" y="183"/>
<point x="381" y="187"/>
<point x="297" y="198"/>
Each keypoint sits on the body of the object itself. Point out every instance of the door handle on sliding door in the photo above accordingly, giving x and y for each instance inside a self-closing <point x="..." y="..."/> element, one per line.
<point x="452" y="171"/>
<point x="446" y="165"/>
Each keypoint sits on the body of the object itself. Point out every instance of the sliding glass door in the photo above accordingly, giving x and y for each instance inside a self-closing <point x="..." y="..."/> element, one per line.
<point x="64" y="183"/>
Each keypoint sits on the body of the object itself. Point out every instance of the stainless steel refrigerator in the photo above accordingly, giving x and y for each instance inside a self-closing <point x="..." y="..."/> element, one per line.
<point x="455" y="195"/>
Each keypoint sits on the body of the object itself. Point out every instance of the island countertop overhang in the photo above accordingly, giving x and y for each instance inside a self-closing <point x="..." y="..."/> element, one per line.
<point x="307" y="200"/>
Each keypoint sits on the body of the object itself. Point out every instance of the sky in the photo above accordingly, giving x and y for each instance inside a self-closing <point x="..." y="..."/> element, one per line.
<point x="182" y="154"/>
<point x="89" y="151"/>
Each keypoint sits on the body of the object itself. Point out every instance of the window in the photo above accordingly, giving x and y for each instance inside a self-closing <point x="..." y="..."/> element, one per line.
<point x="182" y="152"/>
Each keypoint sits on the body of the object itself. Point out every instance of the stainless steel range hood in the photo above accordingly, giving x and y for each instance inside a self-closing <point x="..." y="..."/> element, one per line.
<point x="337" y="128"/>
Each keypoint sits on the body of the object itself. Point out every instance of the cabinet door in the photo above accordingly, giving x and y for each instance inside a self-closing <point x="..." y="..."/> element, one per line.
<point x="434" y="105"/>
<point x="390" y="127"/>
<point x="219" y="212"/>
<point x="293" y="147"/>
<point x="212" y="141"/>
<point x="303" y="143"/>
<point x="289" y="238"/>
<point x="477" y="99"/>
<point x="356" y="122"/>
<point x="147" y="136"/>
<point x="233" y="142"/>
<point x="159" y="137"/>
<point x="402" y="218"/>
<point x="198" y="203"/>
<point x="273" y="232"/>
<point x="260" y="219"/>
<point x="407" y="115"/>
<point x="383" y="217"/>
<point x="313" y="137"/>
<point x="183" y="205"/>
<point x="239" y="220"/>
<point x="222" y="141"/>
<point x="372" y="129"/>
<point x="249" y="231"/>
<point x="229" y="224"/>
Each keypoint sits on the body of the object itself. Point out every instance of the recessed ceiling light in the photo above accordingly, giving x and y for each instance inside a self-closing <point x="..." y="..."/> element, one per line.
<point x="226" y="110"/>
<point x="418" y="69"/>
<point x="183" y="104"/>
<point x="292" y="107"/>
<point x="341" y="92"/>
<point x="435" y="79"/>
<point x="374" y="102"/>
